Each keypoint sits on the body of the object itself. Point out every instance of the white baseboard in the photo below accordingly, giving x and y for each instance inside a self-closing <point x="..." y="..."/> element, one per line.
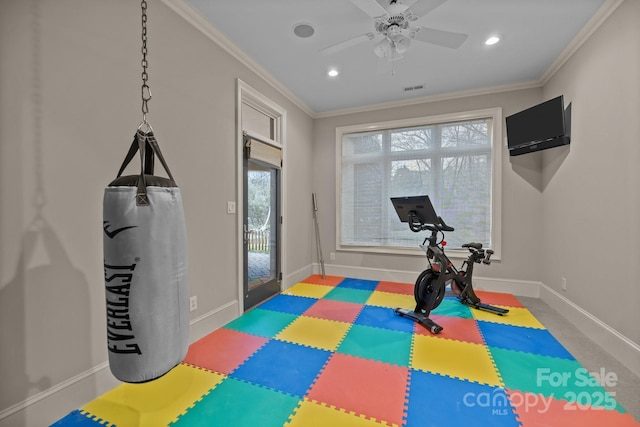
<point x="367" y="273"/>
<point x="515" y="287"/>
<point x="519" y="288"/>
<point x="297" y="276"/>
<point x="203" y="325"/>
<point x="54" y="403"/>
<point x="617" y="345"/>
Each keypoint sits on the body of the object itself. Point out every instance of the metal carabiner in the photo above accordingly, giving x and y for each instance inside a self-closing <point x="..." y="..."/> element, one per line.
<point x="145" y="124"/>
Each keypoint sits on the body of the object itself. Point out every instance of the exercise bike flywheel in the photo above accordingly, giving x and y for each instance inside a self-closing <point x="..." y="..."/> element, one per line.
<point x="424" y="289"/>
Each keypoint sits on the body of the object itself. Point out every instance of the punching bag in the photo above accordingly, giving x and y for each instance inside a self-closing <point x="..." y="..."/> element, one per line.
<point x="145" y="269"/>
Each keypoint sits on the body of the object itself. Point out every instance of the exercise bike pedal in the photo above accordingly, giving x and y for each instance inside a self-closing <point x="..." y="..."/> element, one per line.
<point x="420" y="318"/>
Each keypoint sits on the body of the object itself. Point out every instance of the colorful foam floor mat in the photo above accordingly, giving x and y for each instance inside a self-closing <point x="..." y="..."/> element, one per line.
<point x="331" y="352"/>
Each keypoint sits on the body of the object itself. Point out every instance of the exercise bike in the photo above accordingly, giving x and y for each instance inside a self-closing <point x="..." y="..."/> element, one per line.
<point x="430" y="287"/>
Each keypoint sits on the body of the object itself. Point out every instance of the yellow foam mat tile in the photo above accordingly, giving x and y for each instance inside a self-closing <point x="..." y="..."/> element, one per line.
<point x="314" y="332"/>
<point x="516" y="317"/>
<point x="311" y="414"/>
<point x="387" y="299"/>
<point x="463" y="360"/>
<point x="153" y="403"/>
<point x="308" y="290"/>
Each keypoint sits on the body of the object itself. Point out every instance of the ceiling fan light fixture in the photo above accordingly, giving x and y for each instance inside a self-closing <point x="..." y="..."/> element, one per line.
<point x="395" y="54"/>
<point x="401" y="43"/>
<point x="383" y="48"/>
<point x="390" y="50"/>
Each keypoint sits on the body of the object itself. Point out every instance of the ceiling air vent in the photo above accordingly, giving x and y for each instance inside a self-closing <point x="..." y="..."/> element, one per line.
<point x="410" y="88"/>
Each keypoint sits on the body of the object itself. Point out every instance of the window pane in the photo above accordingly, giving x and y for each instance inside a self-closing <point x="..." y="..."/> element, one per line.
<point x="361" y="201"/>
<point x="465" y="134"/>
<point x="362" y="143"/>
<point x="410" y="177"/>
<point x="256" y="122"/>
<point x="450" y="162"/>
<point x="466" y="184"/>
<point x="411" y="139"/>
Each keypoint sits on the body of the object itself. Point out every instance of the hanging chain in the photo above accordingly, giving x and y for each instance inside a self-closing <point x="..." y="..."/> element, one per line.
<point x="146" y="91"/>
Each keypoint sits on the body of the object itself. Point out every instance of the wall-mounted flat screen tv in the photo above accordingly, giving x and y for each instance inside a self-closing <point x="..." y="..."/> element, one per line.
<point x="542" y="126"/>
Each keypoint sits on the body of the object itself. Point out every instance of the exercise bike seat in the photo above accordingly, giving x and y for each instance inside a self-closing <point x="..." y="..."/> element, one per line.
<point x="473" y="245"/>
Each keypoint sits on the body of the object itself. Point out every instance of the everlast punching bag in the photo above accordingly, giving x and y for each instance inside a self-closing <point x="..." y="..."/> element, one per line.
<point x="145" y="269"/>
<point x="145" y="259"/>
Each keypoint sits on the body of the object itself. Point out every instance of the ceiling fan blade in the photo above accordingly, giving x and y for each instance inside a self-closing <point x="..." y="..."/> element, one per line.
<point x="422" y="7"/>
<point x="347" y="44"/>
<point x="440" y="37"/>
<point x="370" y="7"/>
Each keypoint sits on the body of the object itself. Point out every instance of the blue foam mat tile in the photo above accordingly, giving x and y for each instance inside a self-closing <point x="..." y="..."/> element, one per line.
<point x="77" y="419"/>
<point x="527" y="340"/>
<point x="436" y="400"/>
<point x="383" y="317"/>
<point x="288" y="304"/>
<point x="362" y="284"/>
<point x="283" y="366"/>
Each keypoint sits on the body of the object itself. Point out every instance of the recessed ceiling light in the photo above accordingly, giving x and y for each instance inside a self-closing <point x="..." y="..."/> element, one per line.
<point x="303" y="30"/>
<point x="333" y="72"/>
<point x="490" y="41"/>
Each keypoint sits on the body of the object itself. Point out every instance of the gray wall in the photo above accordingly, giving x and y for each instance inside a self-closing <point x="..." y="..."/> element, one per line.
<point x="591" y="203"/>
<point x="70" y="105"/>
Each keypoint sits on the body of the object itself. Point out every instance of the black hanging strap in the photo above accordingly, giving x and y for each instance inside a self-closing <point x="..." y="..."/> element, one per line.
<point x="149" y="148"/>
<point x="148" y="156"/>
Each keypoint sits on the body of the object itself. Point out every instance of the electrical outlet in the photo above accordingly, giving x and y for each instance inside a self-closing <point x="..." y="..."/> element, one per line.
<point x="564" y="284"/>
<point x="332" y="256"/>
<point x="193" y="303"/>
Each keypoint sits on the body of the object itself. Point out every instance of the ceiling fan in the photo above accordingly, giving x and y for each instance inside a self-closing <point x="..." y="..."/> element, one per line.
<point x="395" y="24"/>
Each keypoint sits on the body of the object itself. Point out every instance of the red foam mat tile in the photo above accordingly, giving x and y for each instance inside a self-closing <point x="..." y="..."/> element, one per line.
<point x="496" y="298"/>
<point x="364" y="387"/>
<point x="223" y="350"/>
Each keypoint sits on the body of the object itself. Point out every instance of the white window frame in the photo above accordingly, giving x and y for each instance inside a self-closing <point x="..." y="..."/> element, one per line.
<point x="497" y="152"/>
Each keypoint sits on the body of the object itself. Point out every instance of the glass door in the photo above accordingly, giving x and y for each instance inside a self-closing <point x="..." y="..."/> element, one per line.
<point x="261" y="229"/>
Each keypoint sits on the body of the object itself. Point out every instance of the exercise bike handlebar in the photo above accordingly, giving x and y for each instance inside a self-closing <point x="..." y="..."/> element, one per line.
<point x="443" y="226"/>
<point x="417" y="226"/>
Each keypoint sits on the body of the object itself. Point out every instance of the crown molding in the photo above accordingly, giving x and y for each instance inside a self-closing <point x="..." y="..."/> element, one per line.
<point x="583" y="35"/>
<point x="193" y="17"/>
<point x="432" y="98"/>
